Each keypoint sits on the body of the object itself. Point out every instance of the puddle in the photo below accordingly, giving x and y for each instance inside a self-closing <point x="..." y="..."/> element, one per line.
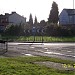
<point x="22" y="53"/>
<point x="74" y="56"/>
<point x="45" y="48"/>
<point x="28" y="54"/>
<point x="69" y="51"/>
<point x="32" y="47"/>
<point x="53" y="53"/>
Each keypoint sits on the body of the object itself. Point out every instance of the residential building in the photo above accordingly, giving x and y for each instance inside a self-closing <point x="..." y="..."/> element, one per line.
<point x="9" y="19"/>
<point x="67" y="17"/>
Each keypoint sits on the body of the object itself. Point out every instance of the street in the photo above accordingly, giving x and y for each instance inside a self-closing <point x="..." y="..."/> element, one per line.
<point x="58" y="50"/>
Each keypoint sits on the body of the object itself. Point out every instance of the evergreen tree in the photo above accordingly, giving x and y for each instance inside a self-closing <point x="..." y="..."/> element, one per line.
<point x="35" y="21"/>
<point x="30" y="19"/>
<point x="54" y="13"/>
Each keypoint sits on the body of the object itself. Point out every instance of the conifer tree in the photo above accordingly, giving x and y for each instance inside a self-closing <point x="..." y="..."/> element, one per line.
<point x="35" y="21"/>
<point x="54" y="13"/>
<point x="30" y="19"/>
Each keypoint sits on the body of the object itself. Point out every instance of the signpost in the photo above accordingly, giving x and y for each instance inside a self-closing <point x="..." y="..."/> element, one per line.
<point x="34" y="31"/>
<point x="42" y="35"/>
<point x="3" y="46"/>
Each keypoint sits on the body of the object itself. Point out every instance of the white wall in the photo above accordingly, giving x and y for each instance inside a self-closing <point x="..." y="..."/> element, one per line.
<point x="16" y="19"/>
<point x="63" y="18"/>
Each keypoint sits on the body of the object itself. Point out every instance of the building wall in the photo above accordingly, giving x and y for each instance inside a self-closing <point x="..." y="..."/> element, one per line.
<point x="63" y="18"/>
<point x="72" y="19"/>
<point x="16" y="19"/>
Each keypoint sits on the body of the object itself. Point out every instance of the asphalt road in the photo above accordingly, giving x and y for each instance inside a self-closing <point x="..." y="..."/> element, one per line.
<point x="59" y="50"/>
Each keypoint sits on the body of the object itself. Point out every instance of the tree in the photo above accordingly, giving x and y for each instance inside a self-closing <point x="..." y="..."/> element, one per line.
<point x="14" y="30"/>
<point x="35" y="21"/>
<point x="42" y="23"/>
<point x="54" y="13"/>
<point x="30" y="19"/>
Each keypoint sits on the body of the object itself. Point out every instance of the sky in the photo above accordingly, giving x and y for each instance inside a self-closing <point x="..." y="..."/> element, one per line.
<point x="39" y="8"/>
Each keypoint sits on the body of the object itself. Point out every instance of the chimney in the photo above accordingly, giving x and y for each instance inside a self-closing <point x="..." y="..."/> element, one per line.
<point x="13" y="12"/>
<point x="6" y="13"/>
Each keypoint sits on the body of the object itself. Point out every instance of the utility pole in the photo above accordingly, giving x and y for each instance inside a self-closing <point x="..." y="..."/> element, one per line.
<point x="73" y="4"/>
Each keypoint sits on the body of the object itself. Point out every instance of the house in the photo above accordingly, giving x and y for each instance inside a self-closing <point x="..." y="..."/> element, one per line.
<point x="67" y="17"/>
<point x="9" y="19"/>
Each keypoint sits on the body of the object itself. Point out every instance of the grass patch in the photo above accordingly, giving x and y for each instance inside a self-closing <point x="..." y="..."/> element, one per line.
<point x="26" y="66"/>
<point x="39" y="38"/>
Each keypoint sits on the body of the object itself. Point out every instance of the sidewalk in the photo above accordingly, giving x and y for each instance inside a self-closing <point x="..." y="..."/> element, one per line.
<point x="58" y="66"/>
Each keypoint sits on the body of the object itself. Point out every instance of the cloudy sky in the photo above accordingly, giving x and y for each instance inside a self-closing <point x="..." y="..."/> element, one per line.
<point x="40" y="8"/>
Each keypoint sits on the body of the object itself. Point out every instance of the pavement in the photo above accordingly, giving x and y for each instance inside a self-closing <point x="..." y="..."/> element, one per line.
<point x="58" y="50"/>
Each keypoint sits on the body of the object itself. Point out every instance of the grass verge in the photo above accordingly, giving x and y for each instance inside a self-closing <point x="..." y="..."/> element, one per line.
<point x="39" y="39"/>
<point x="26" y="66"/>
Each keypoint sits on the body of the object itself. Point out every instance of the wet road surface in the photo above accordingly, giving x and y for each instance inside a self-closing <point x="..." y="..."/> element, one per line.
<point x="59" y="50"/>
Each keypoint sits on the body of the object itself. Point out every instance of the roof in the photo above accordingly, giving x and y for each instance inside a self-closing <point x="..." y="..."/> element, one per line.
<point x="70" y="11"/>
<point x="6" y="15"/>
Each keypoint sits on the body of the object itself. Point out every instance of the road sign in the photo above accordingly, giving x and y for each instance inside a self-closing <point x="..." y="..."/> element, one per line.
<point x="34" y="30"/>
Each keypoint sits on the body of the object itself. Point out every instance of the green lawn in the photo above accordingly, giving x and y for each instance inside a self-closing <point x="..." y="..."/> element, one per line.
<point x="26" y="66"/>
<point x="39" y="39"/>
